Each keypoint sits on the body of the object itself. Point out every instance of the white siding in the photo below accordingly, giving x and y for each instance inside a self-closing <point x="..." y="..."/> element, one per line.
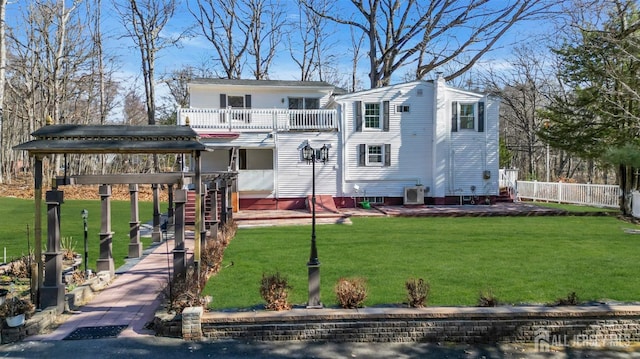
<point x="472" y="152"/>
<point x="294" y="174"/>
<point x="217" y="160"/>
<point x="208" y="96"/>
<point x="410" y="135"/>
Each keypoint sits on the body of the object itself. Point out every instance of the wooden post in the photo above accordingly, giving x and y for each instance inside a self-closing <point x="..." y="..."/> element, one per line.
<point x="179" y="252"/>
<point x="37" y="279"/>
<point x="105" y="261"/>
<point x="170" y="211"/>
<point x="156" y="234"/>
<point x="198" y="213"/>
<point x="135" y="246"/>
<point x="52" y="292"/>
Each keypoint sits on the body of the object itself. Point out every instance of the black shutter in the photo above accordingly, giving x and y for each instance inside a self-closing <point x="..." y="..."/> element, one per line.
<point x="454" y="116"/>
<point x="480" y="116"/>
<point x="362" y="152"/>
<point x="247" y="101"/>
<point x="385" y="115"/>
<point x="358" y="114"/>
<point x="387" y="154"/>
<point x="223" y="100"/>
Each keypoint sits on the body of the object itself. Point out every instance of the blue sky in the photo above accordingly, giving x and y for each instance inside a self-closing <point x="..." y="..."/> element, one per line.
<point x="196" y="51"/>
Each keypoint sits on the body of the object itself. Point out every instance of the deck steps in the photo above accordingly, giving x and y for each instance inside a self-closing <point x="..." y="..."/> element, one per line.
<point x="190" y="207"/>
<point x="324" y="203"/>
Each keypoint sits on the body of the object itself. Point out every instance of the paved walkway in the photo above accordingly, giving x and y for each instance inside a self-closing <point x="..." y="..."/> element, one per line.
<point x="131" y="299"/>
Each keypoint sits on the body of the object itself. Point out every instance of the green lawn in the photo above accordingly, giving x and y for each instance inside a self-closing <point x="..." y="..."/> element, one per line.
<point x="17" y="214"/>
<point x="520" y="259"/>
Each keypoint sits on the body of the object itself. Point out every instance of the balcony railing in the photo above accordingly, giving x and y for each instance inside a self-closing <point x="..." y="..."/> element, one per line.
<point x="246" y="120"/>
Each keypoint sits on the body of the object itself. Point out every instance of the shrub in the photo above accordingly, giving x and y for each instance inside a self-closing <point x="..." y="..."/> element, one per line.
<point x="417" y="292"/>
<point x="351" y="292"/>
<point x="15" y="306"/>
<point x="186" y="291"/>
<point x="571" y="299"/>
<point x="274" y="289"/>
<point x="183" y="292"/>
<point x="213" y="252"/>
<point x="20" y="267"/>
<point x="486" y="298"/>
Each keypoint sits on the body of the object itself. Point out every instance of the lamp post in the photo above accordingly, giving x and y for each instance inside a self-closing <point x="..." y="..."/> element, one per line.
<point x="85" y="216"/>
<point x="312" y="156"/>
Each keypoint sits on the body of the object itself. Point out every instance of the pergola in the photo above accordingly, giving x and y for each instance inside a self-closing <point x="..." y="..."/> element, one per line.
<point x="117" y="139"/>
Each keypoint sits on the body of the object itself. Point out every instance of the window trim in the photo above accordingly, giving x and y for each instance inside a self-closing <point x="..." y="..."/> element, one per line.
<point x="479" y="116"/>
<point x="363" y="155"/>
<point x="381" y="154"/>
<point x="244" y="105"/>
<point x="364" y="116"/>
<point x="304" y="102"/>
<point x="474" y="107"/>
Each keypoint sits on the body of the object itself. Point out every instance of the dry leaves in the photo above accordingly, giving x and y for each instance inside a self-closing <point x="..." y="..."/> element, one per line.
<point x="22" y="187"/>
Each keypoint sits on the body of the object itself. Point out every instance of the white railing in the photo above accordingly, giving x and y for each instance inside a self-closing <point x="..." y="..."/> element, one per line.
<point x="258" y="119"/>
<point x="598" y="195"/>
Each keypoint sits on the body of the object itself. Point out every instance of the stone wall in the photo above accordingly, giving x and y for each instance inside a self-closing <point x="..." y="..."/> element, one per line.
<point x="577" y="326"/>
<point x="34" y="325"/>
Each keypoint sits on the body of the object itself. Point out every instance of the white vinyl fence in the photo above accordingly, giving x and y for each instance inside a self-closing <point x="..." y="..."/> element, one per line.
<point x="598" y="195"/>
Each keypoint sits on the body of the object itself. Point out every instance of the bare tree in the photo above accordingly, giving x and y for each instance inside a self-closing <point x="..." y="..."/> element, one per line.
<point x="224" y="24"/>
<point x="523" y="88"/>
<point x="177" y="80"/>
<point x="431" y="33"/>
<point x="144" y="21"/>
<point x="50" y="67"/>
<point x="267" y="23"/>
<point x="310" y="44"/>
<point x="3" y="66"/>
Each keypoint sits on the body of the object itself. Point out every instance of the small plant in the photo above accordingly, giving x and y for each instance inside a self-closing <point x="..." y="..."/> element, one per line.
<point x="351" y="292"/>
<point x="15" y="306"/>
<point x="67" y="245"/>
<point x="20" y="267"/>
<point x="486" y="298"/>
<point x="571" y="299"/>
<point x="183" y="292"/>
<point x="417" y="292"/>
<point x="274" y="289"/>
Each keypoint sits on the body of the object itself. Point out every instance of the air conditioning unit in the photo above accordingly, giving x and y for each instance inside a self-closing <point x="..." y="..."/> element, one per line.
<point x="414" y="195"/>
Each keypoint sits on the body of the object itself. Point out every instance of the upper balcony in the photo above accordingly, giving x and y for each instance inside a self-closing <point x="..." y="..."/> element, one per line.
<point x="258" y="120"/>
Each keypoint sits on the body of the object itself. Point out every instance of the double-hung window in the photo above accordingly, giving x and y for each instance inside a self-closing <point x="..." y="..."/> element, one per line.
<point x="467" y="116"/>
<point x="372" y="115"/>
<point x="375" y="155"/>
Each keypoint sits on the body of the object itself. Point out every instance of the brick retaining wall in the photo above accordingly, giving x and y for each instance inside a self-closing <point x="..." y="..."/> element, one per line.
<point x="582" y="326"/>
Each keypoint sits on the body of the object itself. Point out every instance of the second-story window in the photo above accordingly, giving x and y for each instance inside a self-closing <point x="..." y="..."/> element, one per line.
<point x="304" y="103"/>
<point x="372" y="115"/>
<point x="236" y="101"/>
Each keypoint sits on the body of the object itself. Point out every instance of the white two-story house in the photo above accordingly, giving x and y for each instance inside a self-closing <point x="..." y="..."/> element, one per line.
<point x="412" y="143"/>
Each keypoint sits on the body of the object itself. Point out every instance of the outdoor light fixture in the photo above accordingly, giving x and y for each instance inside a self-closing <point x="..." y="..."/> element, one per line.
<point x="312" y="156"/>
